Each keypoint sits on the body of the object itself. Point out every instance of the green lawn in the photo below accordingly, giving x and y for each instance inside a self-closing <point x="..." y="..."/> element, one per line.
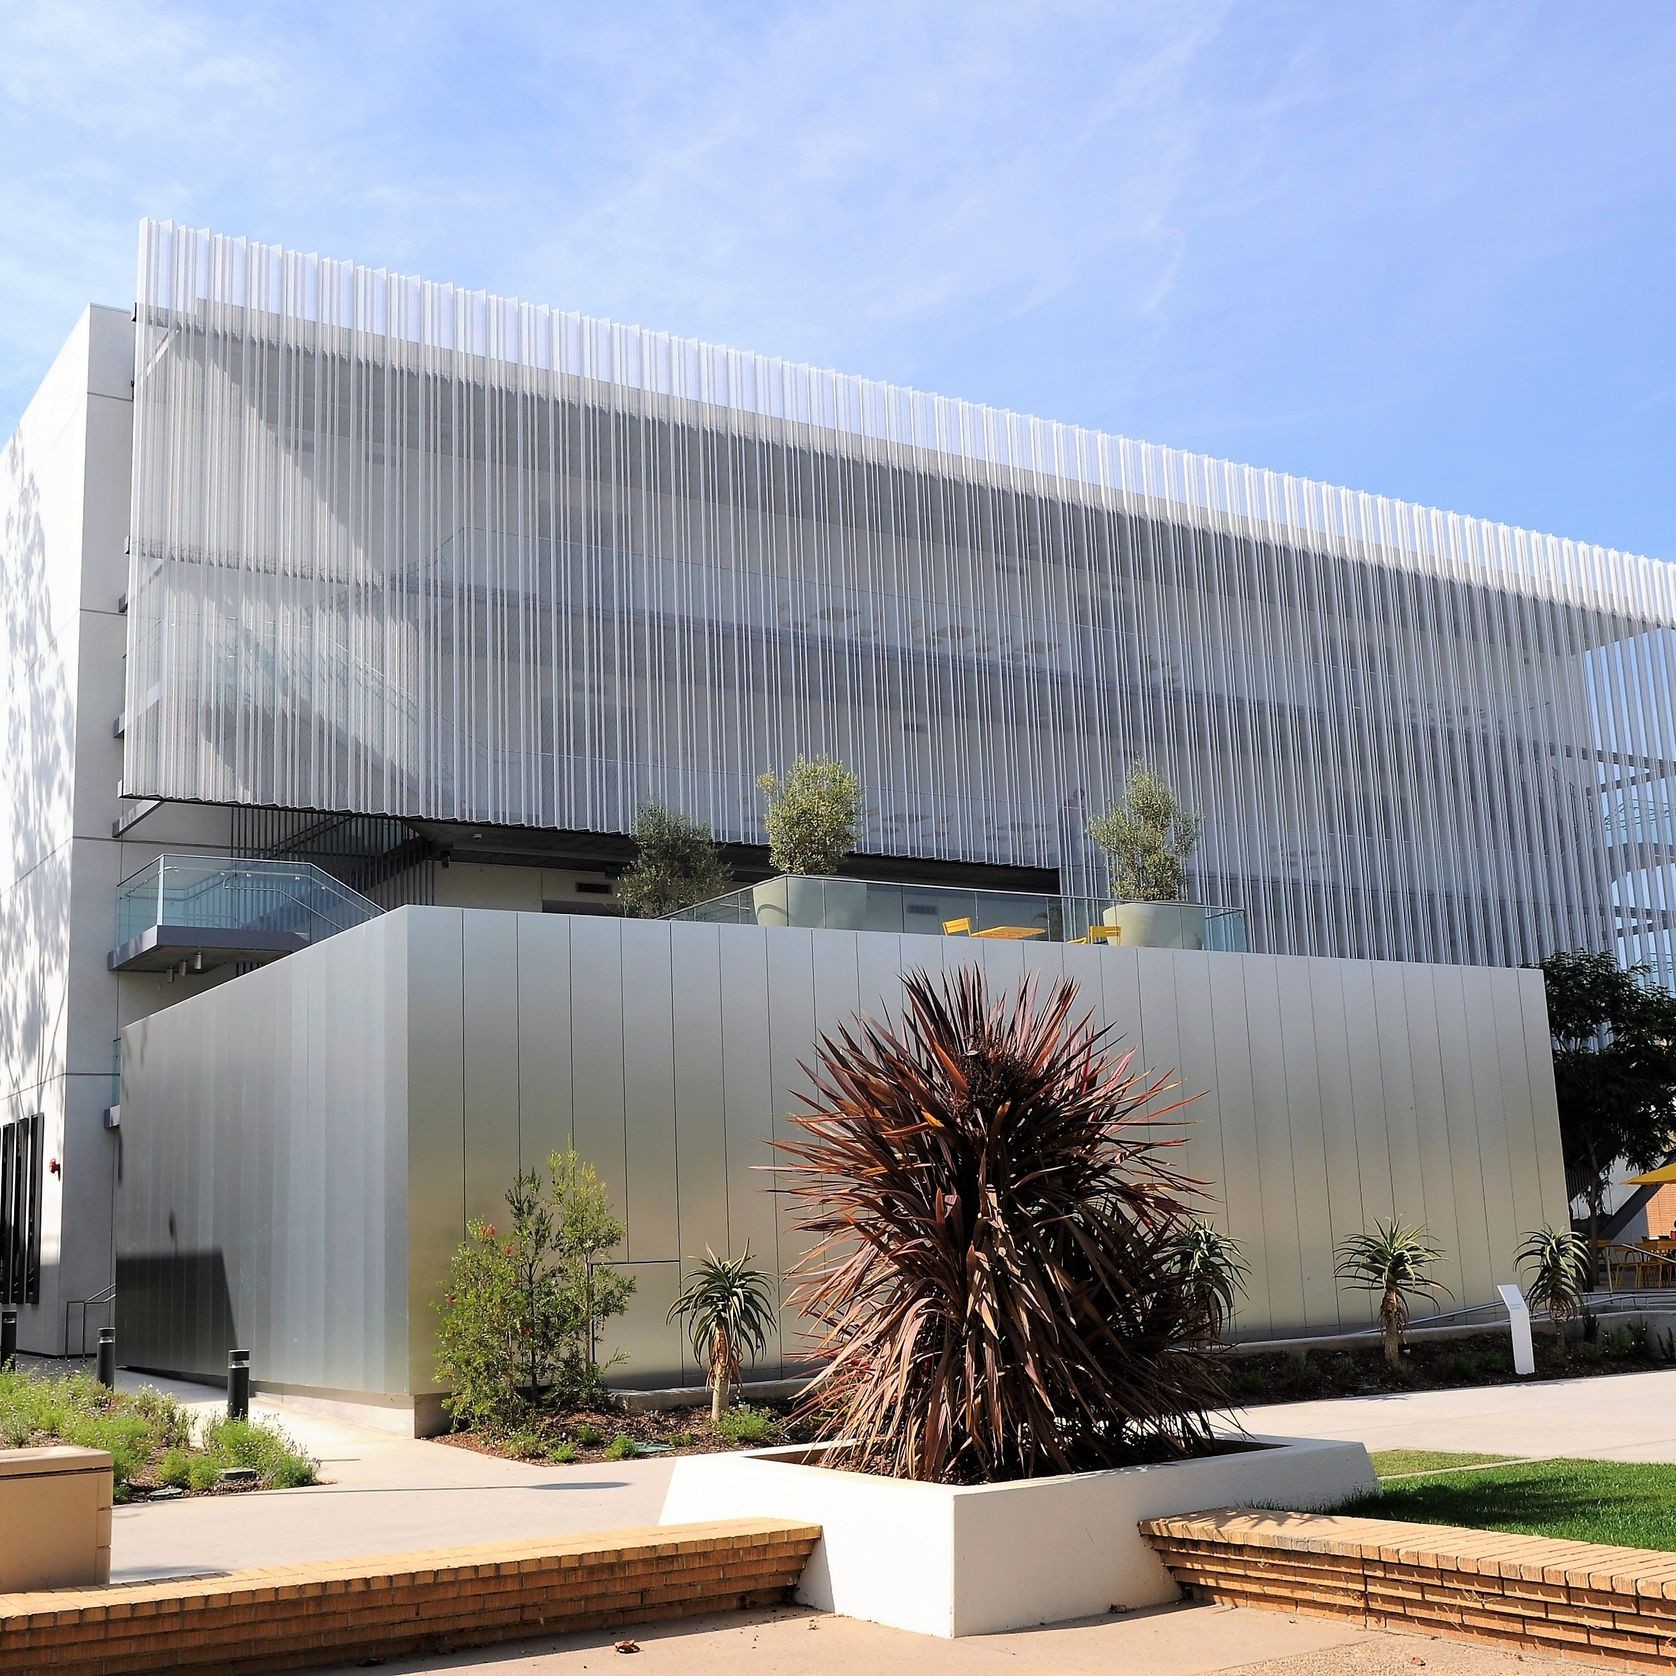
<point x="1631" y="1504"/>
<point x="1394" y="1463"/>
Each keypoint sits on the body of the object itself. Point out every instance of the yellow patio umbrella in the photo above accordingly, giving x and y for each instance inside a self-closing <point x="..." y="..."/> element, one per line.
<point x="1654" y="1178"/>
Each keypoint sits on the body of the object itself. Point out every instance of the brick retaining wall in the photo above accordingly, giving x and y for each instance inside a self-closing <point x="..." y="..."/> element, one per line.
<point x="290" y="1616"/>
<point x="1580" y="1600"/>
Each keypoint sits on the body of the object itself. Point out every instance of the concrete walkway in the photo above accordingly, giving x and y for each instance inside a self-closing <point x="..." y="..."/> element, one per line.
<point x="383" y="1494"/>
<point x="1612" y="1417"/>
<point x="1171" y="1641"/>
<point x="387" y="1494"/>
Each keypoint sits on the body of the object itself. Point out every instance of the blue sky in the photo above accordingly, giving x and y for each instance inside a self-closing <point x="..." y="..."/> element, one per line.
<point x="1425" y="249"/>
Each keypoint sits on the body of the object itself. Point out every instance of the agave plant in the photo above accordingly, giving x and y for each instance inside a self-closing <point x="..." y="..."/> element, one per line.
<point x="1395" y="1261"/>
<point x="1561" y="1273"/>
<point x="1214" y="1267"/>
<point x="993" y="1283"/>
<point x="729" y="1311"/>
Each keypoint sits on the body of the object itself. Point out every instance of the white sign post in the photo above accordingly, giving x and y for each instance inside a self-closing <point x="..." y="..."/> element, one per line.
<point x="1519" y="1326"/>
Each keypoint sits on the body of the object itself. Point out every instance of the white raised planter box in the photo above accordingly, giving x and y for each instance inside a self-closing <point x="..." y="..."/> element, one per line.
<point x="949" y="1560"/>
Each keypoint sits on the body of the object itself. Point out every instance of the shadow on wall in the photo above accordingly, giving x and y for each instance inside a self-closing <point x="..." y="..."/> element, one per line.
<point x="175" y="1313"/>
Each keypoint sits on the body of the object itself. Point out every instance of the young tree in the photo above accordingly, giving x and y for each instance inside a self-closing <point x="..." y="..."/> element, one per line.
<point x="1614" y="1070"/>
<point x="519" y="1308"/>
<point x="676" y="863"/>
<point x="728" y="1310"/>
<point x="1148" y="838"/>
<point x="814" y="815"/>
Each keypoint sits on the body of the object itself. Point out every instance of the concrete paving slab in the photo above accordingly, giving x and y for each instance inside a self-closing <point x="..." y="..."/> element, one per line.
<point x="385" y="1494"/>
<point x="1612" y="1417"/>
<point x="1170" y="1641"/>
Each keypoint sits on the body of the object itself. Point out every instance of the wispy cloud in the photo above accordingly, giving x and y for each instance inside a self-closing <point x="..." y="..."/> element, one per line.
<point x="1315" y="234"/>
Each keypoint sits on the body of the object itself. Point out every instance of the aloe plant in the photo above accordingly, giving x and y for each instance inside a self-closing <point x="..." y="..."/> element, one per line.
<point x="1396" y="1261"/>
<point x="1561" y="1272"/>
<point x="729" y="1311"/>
<point x="994" y="1285"/>
<point x="1213" y="1265"/>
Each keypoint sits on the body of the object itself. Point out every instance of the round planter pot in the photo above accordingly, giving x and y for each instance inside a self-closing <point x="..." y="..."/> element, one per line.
<point x="811" y="904"/>
<point x="1158" y="925"/>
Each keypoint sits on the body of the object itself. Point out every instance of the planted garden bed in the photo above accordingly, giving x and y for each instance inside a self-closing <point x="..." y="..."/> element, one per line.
<point x="1437" y="1365"/>
<point x="156" y="1446"/>
<point x="608" y="1434"/>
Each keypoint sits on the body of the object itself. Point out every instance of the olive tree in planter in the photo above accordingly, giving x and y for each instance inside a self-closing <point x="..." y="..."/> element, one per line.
<point x="676" y="864"/>
<point x="1015" y="1371"/>
<point x="1149" y="838"/>
<point x="813" y="820"/>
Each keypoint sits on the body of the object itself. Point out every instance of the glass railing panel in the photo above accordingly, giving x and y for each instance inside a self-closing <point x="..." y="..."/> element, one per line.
<point x="225" y="894"/>
<point x="931" y="910"/>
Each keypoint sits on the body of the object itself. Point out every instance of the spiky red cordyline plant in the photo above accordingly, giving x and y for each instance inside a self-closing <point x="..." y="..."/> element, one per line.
<point x="993" y="1284"/>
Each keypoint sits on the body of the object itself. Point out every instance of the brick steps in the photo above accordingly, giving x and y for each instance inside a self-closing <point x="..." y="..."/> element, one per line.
<point x="288" y="1617"/>
<point x="1579" y="1600"/>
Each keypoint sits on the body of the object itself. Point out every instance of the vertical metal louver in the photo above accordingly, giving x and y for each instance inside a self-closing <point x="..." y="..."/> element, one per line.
<point x="405" y="550"/>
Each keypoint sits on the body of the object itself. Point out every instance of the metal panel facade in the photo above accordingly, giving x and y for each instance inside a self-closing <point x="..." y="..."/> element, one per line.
<point x="304" y="1144"/>
<point x="405" y="549"/>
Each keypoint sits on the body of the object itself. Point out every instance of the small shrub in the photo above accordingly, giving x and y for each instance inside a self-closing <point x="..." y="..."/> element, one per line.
<point x="564" y="1454"/>
<point x="589" y="1436"/>
<point x="682" y="1440"/>
<point x="525" y="1445"/>
<point x="203" y="1472"/>
<point x="621" y="1448"/>
<point x="1460" y="1365"/>
<point x="261" y="1446"/>
<point x="175" y="1469"/>
<point x="516" y="1311"/>
<point x="745" y="1426"/>
<point x="1640" y="1340"/>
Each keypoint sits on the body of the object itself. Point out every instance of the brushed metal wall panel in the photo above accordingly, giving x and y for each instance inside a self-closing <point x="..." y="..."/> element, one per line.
<point x="1500" y="1160"/>
<point x="1396" y="1077"/>
<point x="489" y="1080"/>
<point x="1431" y="1119"/>
<point x="436" y="1142"/>
<point x="1338" y="1106"/>
<point x="747" y="1097"/>
<point x="1282" y="1207"/>
<point x="1475" y="1253"/>
<point x="650" y="1196"/>
<point x="1306" y="1124"/>
<point x="700" y="1106"/>
<point x="545" y="1113"/>
<point x="1539" y="1068"/>
<point x="1234" y="1107"/>
<point x="1518" y="1109"/>
<point x="597" y="1047"/>
<point x="791" y="1019"/>
<point x="309" y="1131"/>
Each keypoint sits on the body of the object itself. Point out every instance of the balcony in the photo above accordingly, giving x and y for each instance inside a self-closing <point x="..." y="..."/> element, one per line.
<point x="188" y="913"/>
<point x="940" y="910"/>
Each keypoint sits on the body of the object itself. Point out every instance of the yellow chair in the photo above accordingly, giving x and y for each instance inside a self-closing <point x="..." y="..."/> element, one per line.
<point x="957" y="928"/>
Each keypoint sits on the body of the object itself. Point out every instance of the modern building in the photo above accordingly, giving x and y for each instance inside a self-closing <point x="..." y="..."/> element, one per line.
<point x="329" y="592"/>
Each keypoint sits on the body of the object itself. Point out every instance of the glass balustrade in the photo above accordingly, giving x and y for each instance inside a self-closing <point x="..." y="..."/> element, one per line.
<point x="942" y="910"/>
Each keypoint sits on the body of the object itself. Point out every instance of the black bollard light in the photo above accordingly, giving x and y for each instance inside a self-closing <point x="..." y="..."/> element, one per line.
<point x="107" y="1357"/>
<point x="238" y="1384"/>
<point x="8" y="1339"/>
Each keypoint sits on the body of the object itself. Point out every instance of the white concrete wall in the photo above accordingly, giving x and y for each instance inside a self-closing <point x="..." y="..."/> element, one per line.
<point x="457" y="1047"/>
<point x="64" y="487"/>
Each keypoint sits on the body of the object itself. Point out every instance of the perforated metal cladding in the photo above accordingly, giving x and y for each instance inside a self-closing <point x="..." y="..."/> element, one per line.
<point x="407" y="550"/>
